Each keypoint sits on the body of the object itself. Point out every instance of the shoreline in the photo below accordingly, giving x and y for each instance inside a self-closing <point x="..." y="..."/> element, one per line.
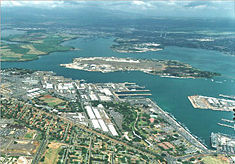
<point x="38" y="56"/>
<point x="164" y="68"/>
<point x="173" y="77"/>
<point x="207" y="105"/>
<point x="181" y="128"/>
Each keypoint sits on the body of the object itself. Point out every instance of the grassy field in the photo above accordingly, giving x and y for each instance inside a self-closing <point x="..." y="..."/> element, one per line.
<point x="32" y="50"/>
<point x="30" y="134"/>
<point x="51" y="101"/>
<point x="28" y="46"/>
<point x="51" y="154"/>
<point x="9" y="55"/>
<point x="215" y="160"/>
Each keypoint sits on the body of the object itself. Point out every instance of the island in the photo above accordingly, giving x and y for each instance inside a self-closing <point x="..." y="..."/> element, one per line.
<point x="164" y="68"/>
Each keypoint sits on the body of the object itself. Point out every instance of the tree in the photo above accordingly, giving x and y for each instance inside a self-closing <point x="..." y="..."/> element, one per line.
<point x="42" y="159"/>
<point x="163" y="155"/>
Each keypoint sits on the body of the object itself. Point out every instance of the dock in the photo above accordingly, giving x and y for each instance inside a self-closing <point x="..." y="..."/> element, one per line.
<point x="128" y="83"/>
<point x="212" y="103"/>
<point x="225" y="125"/>
<point x="146" y="90"/>
<point x="139" y="94"/>
<point x="226" y="120"/>
<point x="182" y="130"/>
<point x="227" y="96"/>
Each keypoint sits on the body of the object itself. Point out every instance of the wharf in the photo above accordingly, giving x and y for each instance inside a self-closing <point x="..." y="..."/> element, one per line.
<point x="139" y="94"/>
<point x="226" y="120"/>
<point x="227" y="96"/>
<point x="225" y="125"/>
<point x="145" y="90"/>
<point x="128" y="83"/>
<point x="192" y="100"/>
<point x="192" y="139"/>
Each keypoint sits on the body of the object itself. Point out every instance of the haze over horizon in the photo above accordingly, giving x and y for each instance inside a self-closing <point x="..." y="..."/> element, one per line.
<point x="168" y="8"/>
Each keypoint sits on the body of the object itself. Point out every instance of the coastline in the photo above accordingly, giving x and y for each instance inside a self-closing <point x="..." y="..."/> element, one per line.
<point x="187" y="134"/>
<point x="165" y="68"/>
<point x="48" y="53"/>
<point x="37" y="56"/>
<point x="156" y="84"/>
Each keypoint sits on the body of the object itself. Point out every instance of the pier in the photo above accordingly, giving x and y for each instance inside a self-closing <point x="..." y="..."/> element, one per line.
<point x="226" y="120"/>
<point x="139" y="94"/>
<point x="145" y="90"/>
<point x="128" y="83"/>
<point x="229" y="126"/>
<point x="192" y="139"/>
<point x="227" y="96"/>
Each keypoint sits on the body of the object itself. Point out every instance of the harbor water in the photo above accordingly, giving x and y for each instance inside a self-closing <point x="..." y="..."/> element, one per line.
<point x="169" y="93"/>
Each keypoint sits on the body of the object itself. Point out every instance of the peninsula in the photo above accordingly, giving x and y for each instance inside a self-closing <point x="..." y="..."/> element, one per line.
<point x="164" y="68"/>
<point x="33" y="43"/>
<point x="204" y="102"/>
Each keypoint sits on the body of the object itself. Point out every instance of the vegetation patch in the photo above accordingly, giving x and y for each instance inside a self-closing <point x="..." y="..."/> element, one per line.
<point x="32" y="50"/>
<point x="215" y="160"/>
<point x="30" y="134"/>
<point x="51" y="154"/>
<point x="51" y="101"/>
<point x="28" y="46"/>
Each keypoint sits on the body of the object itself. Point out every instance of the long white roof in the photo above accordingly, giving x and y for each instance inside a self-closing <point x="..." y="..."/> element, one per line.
<point x="33" y="90"/>
<point x="95" y="124"/>
<point x="90" y="112"/>
<point x="97" y="113"/>
<point x="103" y="126"/>
<point x="112" y="130"/>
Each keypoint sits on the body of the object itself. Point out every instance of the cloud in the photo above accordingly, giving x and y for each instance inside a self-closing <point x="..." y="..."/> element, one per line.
<point x="138" y="3"/>
<point x="199" y="4"/>
<point x="155" y="8"/>
<point x="32" y="3"/>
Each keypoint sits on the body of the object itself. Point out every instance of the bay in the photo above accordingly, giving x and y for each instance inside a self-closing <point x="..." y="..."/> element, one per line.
<point x="171" y="94"/>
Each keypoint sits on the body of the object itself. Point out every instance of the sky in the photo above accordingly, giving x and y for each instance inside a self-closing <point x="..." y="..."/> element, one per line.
<point x="177" y="8"/>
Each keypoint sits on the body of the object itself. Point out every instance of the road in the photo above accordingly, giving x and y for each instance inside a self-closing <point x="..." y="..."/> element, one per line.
<point x="105" y="136"/>
<point x="43" y="145"/>
<point x="40" y="151"/>
<point x="189" y="137"/>
<point x="90" y="145"/>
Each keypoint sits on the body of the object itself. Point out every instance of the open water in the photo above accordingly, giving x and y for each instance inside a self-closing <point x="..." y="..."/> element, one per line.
<point x="170" y="94"/>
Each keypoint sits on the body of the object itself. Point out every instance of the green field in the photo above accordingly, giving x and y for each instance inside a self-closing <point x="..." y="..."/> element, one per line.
<point x="30" y="134"/>
<point x="30" y="45"/>
<point x="214" y="160"/>
<point x="51" y="101"/>
<point x="51" y="155"/>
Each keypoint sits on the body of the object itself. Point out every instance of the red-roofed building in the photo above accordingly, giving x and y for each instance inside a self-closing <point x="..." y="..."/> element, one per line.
<point x="151" y="120"/>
